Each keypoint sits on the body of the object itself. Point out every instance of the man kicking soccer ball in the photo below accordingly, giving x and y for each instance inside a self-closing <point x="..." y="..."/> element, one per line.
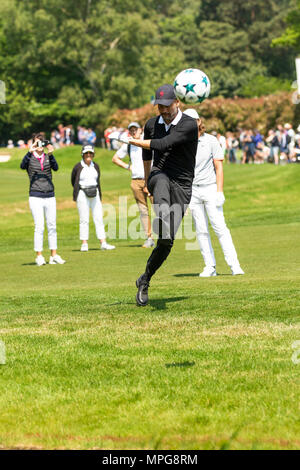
<point x="172" y="138"/>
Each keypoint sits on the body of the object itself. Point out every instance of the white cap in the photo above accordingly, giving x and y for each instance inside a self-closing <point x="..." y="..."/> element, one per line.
<point x="134" y="124"/>
<point x="192" y="113"/>
<point x="87" y="148"/>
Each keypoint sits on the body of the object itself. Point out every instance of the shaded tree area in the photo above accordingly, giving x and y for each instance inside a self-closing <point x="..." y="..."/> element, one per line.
<point x="79" y="61"/>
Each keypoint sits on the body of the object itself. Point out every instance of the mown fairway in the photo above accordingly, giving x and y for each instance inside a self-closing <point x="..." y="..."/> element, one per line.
<point x="207" y="365"/>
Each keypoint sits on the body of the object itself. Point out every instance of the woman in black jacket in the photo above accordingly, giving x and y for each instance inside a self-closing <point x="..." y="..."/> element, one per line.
<point x="42" y="202"/>
<point x="85" y="180"/>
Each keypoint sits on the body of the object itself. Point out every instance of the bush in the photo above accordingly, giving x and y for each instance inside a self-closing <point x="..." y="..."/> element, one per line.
<point x="224" y="114"/>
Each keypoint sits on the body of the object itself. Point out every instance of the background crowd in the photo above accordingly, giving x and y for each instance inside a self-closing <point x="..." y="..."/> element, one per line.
<point x="281" y="145"/>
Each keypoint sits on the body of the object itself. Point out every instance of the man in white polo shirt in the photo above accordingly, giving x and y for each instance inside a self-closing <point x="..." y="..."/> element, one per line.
<point x="208" y="199"/>
<point x="136" y="166"/>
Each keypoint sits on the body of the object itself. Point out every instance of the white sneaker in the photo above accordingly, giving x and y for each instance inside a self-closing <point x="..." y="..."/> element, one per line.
<point x="149" y="243"/>
<point x="40" y="260"/>
<point x="208" y="271"/>
<point x="236" y="270"/>
<point x="84" y="247"/>
<point x="107" y="246"/>
<point x="56" y="259"/>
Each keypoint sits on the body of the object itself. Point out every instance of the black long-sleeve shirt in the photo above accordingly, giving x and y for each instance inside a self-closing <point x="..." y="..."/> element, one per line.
<point x="174" y="151"/>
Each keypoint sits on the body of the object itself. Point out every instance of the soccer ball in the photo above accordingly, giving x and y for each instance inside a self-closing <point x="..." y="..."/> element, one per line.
<point x="192" y="86"/>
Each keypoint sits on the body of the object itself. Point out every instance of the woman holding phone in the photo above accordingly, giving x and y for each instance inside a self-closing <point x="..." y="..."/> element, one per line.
<point x="42" y="202"/>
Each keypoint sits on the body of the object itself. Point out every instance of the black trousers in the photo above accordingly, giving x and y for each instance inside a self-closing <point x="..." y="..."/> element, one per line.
<point x="170" y="201"/>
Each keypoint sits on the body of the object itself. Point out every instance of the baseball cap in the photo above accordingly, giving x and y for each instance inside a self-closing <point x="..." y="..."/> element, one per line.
<point x="165" y="95"/>
<point x="192" y="113"/>
<point x="87" y="148"/>
<point x="134" y="124"/>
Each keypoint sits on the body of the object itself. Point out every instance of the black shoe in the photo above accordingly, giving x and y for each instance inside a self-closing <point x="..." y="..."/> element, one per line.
<point x="142" y="294"/>
<point x="161" y="228"/>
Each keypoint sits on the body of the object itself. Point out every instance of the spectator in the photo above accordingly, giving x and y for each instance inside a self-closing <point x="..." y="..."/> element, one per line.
<point x="297" y="135"/>
<point x="136" y="168"/>
<point x="10" y="144"/>
<point x="106" y="137"/>
<point x="296" y="154"/>
<point x="69" y="135"/>
<point x="249" y="147"/>
<point x="257" y="138"/>
<point x="284" y="141"/>
<point x="81" y="135"/>
<point x="61" y="131"/>
<point x="208" y="199"/>
<point x="232" y="145"/>
<point x="54" y="139"/>
<point x="85" y="180"/>
<point x="42" y="202"/>
<point x="91" y="137"/>
<point x="21" y="144"/>
<point x="273" y="142"/>
<point x="291" y="133"/>
<point x="115" y="135"/>
<point x="242" y="143"/>
<point x="262" y="153"/>
<point x="258" y="141"/>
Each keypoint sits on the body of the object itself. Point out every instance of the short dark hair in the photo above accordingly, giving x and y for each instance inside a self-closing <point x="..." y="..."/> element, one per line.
<point x="37" y="136"/>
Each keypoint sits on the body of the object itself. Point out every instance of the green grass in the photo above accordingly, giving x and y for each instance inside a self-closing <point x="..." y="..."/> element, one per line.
<point x="207" y="365"/>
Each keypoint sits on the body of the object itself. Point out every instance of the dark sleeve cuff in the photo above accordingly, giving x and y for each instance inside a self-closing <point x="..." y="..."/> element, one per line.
<point x="53" y="162"/>
<point x="156" y="144"/>
<point x="147" y="155"/>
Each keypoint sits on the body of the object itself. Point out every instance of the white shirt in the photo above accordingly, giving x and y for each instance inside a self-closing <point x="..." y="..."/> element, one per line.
<point x="173" y="123"/>
<point x="88" y="175"/>
<point x="136" y="157"/>
<point x="208" y="150"/>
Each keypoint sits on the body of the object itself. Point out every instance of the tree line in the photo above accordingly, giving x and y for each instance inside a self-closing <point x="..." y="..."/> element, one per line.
<point x="78" y="61"/>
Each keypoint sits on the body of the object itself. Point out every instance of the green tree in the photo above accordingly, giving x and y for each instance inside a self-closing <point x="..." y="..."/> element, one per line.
<point x="291" y="36"/>
<point x="79" y="60"/>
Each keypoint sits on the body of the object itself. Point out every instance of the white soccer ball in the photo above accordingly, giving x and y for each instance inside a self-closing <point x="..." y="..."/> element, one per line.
<point x="192" y="86"/>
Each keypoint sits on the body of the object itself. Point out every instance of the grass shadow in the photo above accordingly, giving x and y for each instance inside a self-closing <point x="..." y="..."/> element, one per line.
<point x="90" y="249"/>
<point x="197" y="275"/>
<point x="119" y="303"/>
<point x="132" y="246"/>
<point x="187" y="275"/>
<point x="180" y="364"/>
<point x="161" y="304"/>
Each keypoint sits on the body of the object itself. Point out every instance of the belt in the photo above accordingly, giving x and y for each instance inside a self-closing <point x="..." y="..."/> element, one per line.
<point x="141" y="179"/>
<point x="202" y="185"/>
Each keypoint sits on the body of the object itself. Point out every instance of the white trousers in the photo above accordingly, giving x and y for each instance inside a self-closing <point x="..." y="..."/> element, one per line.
<point x="40" y="208"/>
<point x="84" y="204"/>
<point x="203" y="207"/>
